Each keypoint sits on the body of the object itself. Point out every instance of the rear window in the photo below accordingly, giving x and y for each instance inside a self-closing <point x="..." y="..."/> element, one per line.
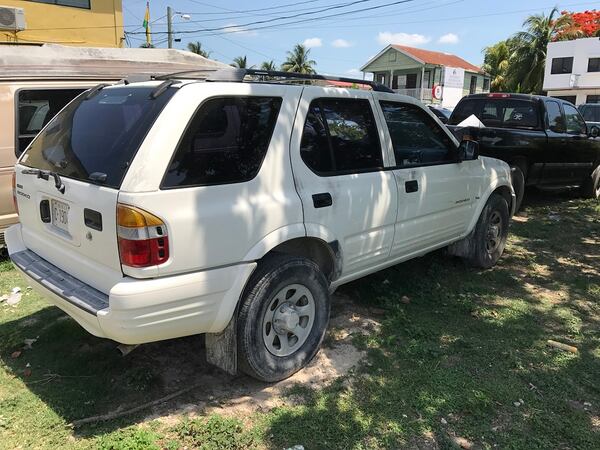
<point x="98" y="135"/>
<point x="225" y="142"/>
<point x="499" y="113"/>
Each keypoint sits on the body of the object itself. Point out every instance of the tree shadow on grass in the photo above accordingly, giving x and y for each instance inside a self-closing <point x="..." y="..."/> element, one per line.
<point x="468" y="356"/>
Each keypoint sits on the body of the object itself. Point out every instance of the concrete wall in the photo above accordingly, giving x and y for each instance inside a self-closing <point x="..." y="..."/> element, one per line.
<point x="585" y="83"/>
<point x="99" y="26"/>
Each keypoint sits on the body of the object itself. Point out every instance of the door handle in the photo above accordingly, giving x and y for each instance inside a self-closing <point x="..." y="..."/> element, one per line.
<point x="411" y="186"/>
<point x="322" y="200"/>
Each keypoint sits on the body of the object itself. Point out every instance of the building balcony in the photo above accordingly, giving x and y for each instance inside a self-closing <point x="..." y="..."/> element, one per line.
<point x="423" y="94"/>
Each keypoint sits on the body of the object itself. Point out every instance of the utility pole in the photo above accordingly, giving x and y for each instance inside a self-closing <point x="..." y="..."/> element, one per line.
<point x="170" y="26"/>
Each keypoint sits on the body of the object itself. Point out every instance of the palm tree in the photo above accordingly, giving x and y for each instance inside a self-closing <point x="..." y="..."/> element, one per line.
<point x="496" y="63"/>
<point x="268" y="65"/>
<point x="529" y="58"/>
<point x="297" y="61"/>
<point x="196" y="47"/>
<point x="240" y="62"/>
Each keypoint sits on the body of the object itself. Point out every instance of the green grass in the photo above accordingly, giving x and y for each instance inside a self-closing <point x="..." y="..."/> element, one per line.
<point x="451" y="363"/>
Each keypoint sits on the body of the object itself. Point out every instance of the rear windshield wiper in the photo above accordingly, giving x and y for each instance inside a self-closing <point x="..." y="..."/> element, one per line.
<point x="45" y="175"/>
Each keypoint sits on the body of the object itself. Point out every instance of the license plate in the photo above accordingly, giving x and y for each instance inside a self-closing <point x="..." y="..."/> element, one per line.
<point x="60" y="215"/>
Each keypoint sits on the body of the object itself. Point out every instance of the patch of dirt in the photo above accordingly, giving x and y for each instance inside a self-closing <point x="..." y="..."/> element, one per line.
<point x="182" y="361"/>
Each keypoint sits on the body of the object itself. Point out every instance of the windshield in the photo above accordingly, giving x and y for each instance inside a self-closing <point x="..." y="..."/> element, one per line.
<point x="97" y="136"/>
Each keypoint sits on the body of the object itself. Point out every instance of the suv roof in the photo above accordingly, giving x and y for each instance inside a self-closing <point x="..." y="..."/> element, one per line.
<point x="261" y="76"/>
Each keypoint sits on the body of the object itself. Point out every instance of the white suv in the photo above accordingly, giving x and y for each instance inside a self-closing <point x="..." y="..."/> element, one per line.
<point x="160" y="209"/>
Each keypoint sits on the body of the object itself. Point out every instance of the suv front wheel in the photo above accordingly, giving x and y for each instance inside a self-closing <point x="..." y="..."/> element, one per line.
<point x="283" y="317"/>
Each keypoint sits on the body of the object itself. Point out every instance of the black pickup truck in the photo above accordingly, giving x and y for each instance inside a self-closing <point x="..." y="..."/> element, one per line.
<point x="544" y="140"/>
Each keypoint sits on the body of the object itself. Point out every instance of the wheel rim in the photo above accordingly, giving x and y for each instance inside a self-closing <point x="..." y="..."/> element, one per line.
<point x="288" y="320"/>
<point x="494" y="232"/>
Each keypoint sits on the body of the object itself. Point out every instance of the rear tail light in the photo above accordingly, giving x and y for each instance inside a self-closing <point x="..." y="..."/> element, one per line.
<point x="14" y="191"/>
<point x="142" y="237"/>
<point x="498" y="95"/>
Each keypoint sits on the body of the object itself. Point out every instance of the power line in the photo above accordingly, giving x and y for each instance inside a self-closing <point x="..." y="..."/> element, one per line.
<point x="293" y="16"/>
<point x="246" y="10"/>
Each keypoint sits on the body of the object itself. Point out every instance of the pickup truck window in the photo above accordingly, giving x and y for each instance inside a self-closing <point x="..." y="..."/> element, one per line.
<point x="416" y="137"/>
<point x="498" y="113"/>
<point x="575" y="124"/>
<point x="556" y="122"/>
<point x="340" y="136"/>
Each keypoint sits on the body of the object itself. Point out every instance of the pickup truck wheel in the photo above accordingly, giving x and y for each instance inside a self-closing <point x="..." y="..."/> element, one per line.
<point x="591" y="188"/>
<point x="518" y="183"/>
<point x="283" y="318"/>
<point x="491" y="231"/>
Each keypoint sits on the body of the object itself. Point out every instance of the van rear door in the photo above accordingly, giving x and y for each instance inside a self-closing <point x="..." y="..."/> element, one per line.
<point x="68" y="180"/>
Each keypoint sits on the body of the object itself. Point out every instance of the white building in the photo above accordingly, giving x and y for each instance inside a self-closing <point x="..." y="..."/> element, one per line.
<point x="573" y="70"/>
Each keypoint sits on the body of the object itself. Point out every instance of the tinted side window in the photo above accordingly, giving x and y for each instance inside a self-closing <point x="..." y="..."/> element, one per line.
<point x="35" y="109"/>
<point x="590" y="113"/>
<point x="340" y="136"/>
<point x="555" y="119"/>
<point x="416" y="138"/>
<point x="575" y="124"/>
<point x="225" y="142"/>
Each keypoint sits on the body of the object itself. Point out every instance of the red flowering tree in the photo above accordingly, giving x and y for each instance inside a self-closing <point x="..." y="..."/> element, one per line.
<point x="579" y="25"/>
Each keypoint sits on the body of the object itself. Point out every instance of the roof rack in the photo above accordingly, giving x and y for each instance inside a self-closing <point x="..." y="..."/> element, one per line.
<point x="236" y="74"/>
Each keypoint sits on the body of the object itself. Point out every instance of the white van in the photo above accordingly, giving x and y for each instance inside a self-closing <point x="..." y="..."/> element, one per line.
<point x="36" y="82"/>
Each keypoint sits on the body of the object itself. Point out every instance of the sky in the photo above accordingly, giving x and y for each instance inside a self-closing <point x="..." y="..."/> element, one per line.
<point x="353" y="32"/>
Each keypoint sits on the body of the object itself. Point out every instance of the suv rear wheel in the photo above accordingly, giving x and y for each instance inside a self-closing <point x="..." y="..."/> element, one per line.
<point x="283" y="317"/>
<point x="491" y="231"/>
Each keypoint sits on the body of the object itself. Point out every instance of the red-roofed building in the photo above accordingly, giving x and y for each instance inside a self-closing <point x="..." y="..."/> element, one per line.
<point x="415" y="72"/>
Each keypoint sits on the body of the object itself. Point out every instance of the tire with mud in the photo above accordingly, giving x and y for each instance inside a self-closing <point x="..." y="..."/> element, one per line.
<point x="490" y="233"/>
<point x="282" y="318"/>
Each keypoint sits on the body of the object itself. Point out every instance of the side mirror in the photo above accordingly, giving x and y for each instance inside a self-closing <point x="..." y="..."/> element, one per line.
<point x="468" y="150"/>
<point x="594" y="132"/>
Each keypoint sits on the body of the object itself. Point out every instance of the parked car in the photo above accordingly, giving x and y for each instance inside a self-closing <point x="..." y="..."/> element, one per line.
<point x="162" y="209"/>
<point x="544" y="139"/>
<point x="591" y="115"/>
<point x="37" y="82"/>
<point x="441" y="113"/>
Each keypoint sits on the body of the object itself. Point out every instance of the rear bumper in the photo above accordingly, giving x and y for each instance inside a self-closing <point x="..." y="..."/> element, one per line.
<point x="137" y="311"/>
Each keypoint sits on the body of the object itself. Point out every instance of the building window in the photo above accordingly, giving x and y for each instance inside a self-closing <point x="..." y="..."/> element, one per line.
<point x="411" y="81"/>
<point x="562" y="65"/>
<point x="473" y="85"/>
<point x="393" y="56"/>
<point x="74" y="3"/>
<point x="593" y="99"/>
<point x="486" y="85"/>
<point x="594" y="65"/>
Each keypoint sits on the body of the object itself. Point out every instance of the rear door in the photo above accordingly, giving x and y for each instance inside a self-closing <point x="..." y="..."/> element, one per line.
<point x="348" y="197"/>
<point x="68" y="180"/>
